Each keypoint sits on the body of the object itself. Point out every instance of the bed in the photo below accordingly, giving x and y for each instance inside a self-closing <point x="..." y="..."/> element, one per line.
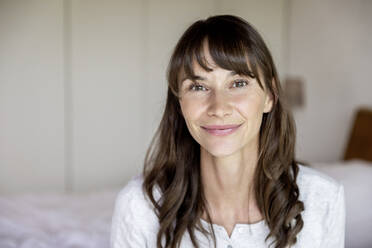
<point x="355" y="173"/>
<point x="84" y="220"/>
<point x="356" y="177"/>
<point x="57" y="220"/>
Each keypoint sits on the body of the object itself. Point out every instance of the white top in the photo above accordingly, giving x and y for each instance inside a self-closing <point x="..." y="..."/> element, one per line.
<point x="135" y="224"/>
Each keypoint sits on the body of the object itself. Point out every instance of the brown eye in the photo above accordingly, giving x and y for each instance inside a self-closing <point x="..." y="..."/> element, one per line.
<point x="197" y="87"/>
<point x="240" y="83"/>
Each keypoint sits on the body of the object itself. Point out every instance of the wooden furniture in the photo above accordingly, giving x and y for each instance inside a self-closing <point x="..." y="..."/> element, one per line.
<point x="360" y="140"/>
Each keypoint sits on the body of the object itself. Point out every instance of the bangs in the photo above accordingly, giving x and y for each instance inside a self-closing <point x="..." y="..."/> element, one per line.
<point x="229" y="48"/>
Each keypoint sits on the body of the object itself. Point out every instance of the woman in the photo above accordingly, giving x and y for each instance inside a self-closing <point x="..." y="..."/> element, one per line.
<point x="221" y="169"/>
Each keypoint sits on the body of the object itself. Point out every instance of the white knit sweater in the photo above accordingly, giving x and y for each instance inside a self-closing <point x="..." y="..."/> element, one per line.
<point x="134" y="223"/>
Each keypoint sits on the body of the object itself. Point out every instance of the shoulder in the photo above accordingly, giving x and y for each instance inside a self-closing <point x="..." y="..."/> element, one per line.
<point x="133" y="206"/>
<point x="315" y="184"/>
<point x="133" y="198"/>
<point x="133" y="222"/>
<point x="132" y="191"/>
<point x="324" y="207"/>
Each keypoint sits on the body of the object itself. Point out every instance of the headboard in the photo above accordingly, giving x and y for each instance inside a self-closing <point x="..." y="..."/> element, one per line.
<point x="360" y="139"/>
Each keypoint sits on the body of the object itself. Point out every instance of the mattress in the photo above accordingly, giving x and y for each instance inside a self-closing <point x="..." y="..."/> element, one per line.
<point x="356" y="176"/>
<point x="57" y="220"/>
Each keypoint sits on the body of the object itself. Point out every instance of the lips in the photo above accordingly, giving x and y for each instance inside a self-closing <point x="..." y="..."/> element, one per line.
<point x="220" y="127"/>
<point x="221" y="130"/>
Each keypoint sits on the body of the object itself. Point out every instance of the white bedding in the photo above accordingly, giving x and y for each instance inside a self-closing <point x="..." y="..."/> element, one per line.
<point x="56" y="220"/>
<point x="84" y="220"/>
<point x="356" y="176"/>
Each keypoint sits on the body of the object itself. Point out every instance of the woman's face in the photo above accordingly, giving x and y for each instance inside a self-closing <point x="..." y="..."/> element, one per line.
<point x="222" y="98"/>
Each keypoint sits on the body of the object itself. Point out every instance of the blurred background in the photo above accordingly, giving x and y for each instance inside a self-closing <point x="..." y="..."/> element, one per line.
<point x="82" y="90"/>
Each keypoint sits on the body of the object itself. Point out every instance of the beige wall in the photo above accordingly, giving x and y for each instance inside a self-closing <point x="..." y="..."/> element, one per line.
<point x="330" y="46"/>
<point x="82" y="83"/>
<point x="31" y="96"/>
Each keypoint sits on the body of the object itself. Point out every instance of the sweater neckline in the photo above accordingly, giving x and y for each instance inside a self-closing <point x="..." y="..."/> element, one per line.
<point x="256" y="227"/>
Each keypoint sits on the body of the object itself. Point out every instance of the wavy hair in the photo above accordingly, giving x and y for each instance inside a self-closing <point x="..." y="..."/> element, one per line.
<point x="172" y="161"/>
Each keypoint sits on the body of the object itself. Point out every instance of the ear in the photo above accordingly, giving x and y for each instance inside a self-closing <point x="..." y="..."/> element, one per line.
<point x="269" y="101"/>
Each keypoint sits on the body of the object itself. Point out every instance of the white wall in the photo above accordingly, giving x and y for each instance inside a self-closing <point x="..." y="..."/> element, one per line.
<point x="330" y="46"/>
<point x="31" y="96"/>
<point x="82" y="83"/>
<point x="107" y="41"/>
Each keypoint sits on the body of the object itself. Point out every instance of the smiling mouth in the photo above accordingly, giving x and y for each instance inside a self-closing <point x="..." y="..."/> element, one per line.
<point x="221" y="127"/>
<point x="221" y="130"/>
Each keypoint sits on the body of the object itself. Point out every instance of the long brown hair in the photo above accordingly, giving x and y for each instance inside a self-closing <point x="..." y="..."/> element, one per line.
<point x="172" y="162"/>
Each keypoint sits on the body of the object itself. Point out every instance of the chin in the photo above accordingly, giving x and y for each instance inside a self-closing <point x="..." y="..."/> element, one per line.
<point x="221" y="151"/>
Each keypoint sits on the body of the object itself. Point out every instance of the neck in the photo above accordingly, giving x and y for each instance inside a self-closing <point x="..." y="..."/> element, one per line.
<point x="228" y="182"/>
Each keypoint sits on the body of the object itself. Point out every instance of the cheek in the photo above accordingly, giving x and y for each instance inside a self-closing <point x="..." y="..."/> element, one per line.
<point x="192" y="113"/>
<point x="249" y="106"/>
<point x="191" y="109"/>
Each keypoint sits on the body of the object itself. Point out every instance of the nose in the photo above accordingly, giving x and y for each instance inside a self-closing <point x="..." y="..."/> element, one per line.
<point x="219" y="105"/>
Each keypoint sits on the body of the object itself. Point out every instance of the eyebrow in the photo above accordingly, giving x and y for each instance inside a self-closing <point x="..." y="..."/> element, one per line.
<point x="197" y="77"/>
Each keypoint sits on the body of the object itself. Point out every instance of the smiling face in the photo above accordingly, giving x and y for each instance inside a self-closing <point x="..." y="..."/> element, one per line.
<point x="222" y="97"/>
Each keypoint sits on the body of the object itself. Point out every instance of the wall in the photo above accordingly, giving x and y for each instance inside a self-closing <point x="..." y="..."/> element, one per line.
<point x="82" y="84"/>
<point x="330" y="48"/>
<point x="31" y="96"/>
